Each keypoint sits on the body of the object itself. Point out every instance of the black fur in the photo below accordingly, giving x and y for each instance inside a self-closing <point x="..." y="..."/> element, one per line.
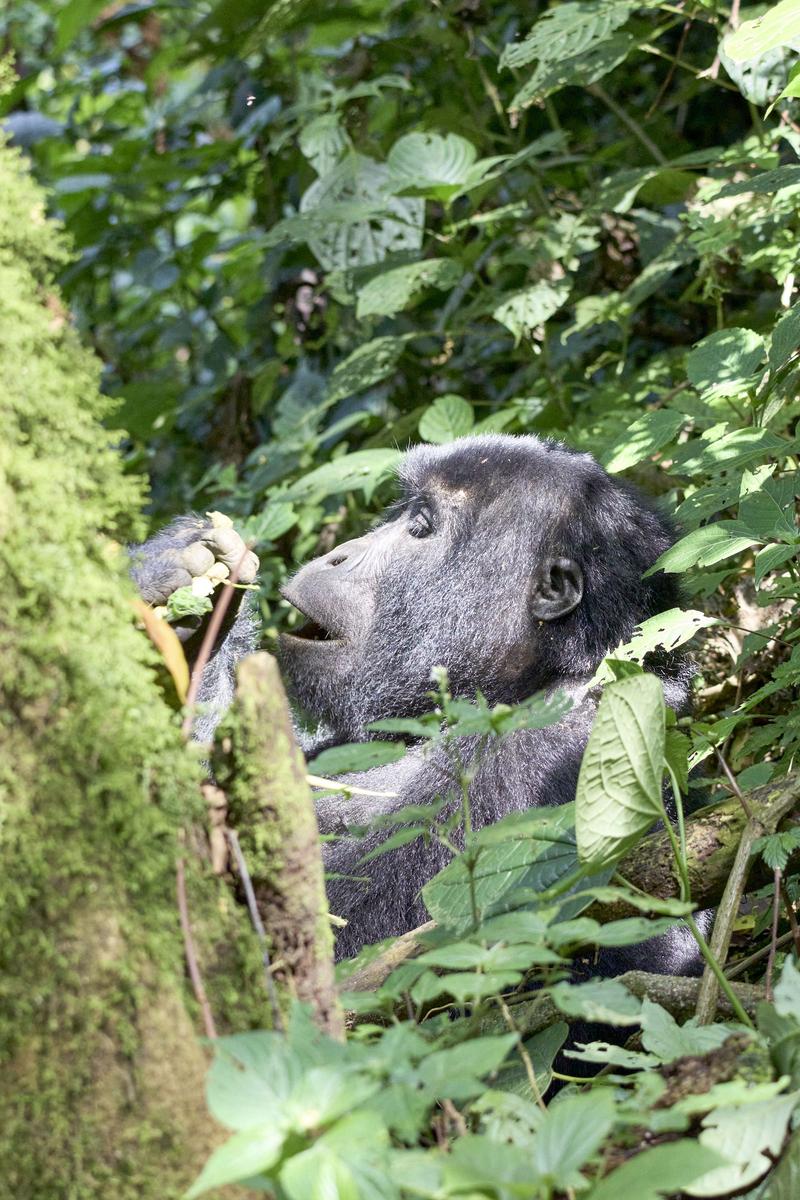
<point x="456" y="577"/>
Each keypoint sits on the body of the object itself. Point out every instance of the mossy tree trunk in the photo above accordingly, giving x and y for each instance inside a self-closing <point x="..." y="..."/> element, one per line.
<point x="102" y="1068"/>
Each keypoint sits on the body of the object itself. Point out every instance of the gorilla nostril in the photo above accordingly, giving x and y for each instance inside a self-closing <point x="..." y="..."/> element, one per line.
<point x="337" y="560"/>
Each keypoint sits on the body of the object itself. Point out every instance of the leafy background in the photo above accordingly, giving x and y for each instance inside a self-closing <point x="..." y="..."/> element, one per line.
<point x="306" y="236"/>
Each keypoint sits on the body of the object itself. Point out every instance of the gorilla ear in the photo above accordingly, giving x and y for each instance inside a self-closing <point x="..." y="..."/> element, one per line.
<point x="556" y="588"/>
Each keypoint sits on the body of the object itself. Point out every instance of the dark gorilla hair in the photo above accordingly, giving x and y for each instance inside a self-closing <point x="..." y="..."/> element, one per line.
<point x="516" y="564"/>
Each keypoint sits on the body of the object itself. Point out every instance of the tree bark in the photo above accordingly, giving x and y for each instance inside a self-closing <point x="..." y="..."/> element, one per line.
<point x="270" y="806"/>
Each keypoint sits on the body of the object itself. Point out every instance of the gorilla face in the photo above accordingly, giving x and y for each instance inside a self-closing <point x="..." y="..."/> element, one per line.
<point x="514" y="563"/>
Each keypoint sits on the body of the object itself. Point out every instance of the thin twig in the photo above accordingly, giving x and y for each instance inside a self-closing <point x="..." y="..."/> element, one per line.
<point x="208" y="643"/>
<point x="734" y="785"/>
<point x="773" y="939"/>
<point x="746" y="963"/>
<point x="523" y="1053"/>
<point x="258" y="925"/>
<point x="628" y="121"/>
<point x="191" y="954"/>
<point x="662" y="91"/>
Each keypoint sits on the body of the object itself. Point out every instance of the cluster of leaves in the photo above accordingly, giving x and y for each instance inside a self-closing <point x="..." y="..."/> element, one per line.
<point x="305" y="239"/>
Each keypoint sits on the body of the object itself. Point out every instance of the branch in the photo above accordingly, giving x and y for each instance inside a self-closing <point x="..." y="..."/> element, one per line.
<point x="271" y="809"/>
<point x="712" y="842"/>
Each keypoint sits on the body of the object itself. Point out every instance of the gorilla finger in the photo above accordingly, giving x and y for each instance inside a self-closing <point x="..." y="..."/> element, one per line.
<point x="226" y="545"/>
<point x="197" y="559"/>
<point x="249" y="568"/>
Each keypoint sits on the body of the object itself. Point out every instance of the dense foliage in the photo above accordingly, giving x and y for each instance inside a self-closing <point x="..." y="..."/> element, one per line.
<point x="305" y="237"/>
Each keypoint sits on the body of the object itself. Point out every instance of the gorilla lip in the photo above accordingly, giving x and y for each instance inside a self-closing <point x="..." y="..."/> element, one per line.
<point x="312" y="630"/>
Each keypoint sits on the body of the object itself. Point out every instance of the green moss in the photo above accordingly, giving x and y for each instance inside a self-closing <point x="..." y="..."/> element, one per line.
<point x="102" y="1078"/>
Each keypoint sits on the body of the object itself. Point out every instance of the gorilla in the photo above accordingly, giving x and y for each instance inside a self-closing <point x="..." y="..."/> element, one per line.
<point x="516" y="564"/>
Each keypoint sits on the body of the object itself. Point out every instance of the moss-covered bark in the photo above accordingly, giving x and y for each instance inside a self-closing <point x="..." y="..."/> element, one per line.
<point x="101" y="1083"/>
<point x="271" y="808"/>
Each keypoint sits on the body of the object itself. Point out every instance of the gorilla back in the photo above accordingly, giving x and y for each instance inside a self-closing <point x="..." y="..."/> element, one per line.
<point x="514" y="563"/>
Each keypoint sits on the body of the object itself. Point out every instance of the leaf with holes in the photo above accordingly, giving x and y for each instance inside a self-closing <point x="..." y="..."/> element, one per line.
<point x="380" y="222"/>
<point x="568" y="30"/>
<point x="666" y="631"/>
<point x="388" y="293"/>
<point x="524" y="311"/>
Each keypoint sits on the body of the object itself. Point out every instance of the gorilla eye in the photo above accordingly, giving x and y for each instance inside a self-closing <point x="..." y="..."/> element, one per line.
<point x="420" y="524"/>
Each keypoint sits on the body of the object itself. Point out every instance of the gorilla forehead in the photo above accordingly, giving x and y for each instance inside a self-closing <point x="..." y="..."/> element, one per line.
<point x="482" y="468"/>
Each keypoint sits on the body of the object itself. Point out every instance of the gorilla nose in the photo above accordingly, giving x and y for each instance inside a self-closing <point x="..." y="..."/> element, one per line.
<point x="348" y="556"/>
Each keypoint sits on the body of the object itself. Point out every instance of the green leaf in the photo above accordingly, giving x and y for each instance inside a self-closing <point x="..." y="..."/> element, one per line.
<point x="388" y="293"/>
<point x="74" y="17"/>
<point x="364" y="470"/>
<point x="787" y="991"/>
<point x="666" y="631"/>
<point x="247" y="1153"/>
<point x="724" y="361"/>
<point x="532" y="850"/>
<point x="368" y="364"/>
<point x="778" y="26"/>
<point x="526" y="310"/>
<point x="184" y="603"/>
<point x="251" y="1078"/>
<point x="749" y="1137"/>
<point x="372" y="222"/>
<point x="568" y="30"/>
<point x="583" y="69"/>
<point x="456" y="1072"/>
<point x="667" y="1040"/>
<point x="785" y="337"/>
<point x="571" y="1132"/>
<point x="762" y="184"/>
<point x="432" y="163"/>
<point x="356" y="756"/>
<point x="605" y="1000"/>
<point x="724" y="449"/>
<point x="642" y="439"/>
<point x="447" y="418"/>
<point x="619" y="786"/>
<point x="701" y="548"/>
<point x="657" y="1173"/>
<point x="323" y="142"/>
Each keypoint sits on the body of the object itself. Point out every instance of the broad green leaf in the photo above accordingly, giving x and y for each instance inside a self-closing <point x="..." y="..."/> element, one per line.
<point x="665" y="1038"/>
<point x="608" y="1055"/>
<point x="724" y="449"/>
<point x="363" y="470"/>
<point x="619" y="786"/>
<point x="368" y="364"/>
<point x="766" y="509"/>
<point x="642" y="439"/>
<point x="583" y="69"/>
<point x="247" y="1153"/>
<point x="722" y="362"/>
<point x="657" y="1173"/>
<point x="785" y="337"/>
<point x="605" y="1000"/>
<point x="571" y="1132"/>
<point x="268" y="525"/>
<point x="388" y="293"/>
<point x="787" y="991"/>
<point x="749" y="1137"/>
<point x="701" y="548"/>
<point x="438" y="165"/>
<point x="447" y="418"/>
<point x="380" y="223"/>
<point x="356" y="756"/>
<point x="532" y="850"/>
<point x="251" y="1078"/>
<point x="323" y="142"/>
<point x="455" y="1072"/>
<point x="784" y="1183"/>
<point x="762" y="184"/>
<point x="568" y="30"/>
<point x="525" y="310"/>
<point x="73" y="17"/>
<point x="349" y="1162"/>
<point x="666" y="631"/>
<point x="778" y="26"/>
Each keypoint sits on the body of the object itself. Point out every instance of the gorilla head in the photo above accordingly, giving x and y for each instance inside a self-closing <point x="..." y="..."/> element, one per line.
<point x="513" y="562"/>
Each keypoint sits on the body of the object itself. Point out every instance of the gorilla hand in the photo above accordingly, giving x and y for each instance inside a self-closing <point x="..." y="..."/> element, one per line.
<point x="192" y="554"/>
